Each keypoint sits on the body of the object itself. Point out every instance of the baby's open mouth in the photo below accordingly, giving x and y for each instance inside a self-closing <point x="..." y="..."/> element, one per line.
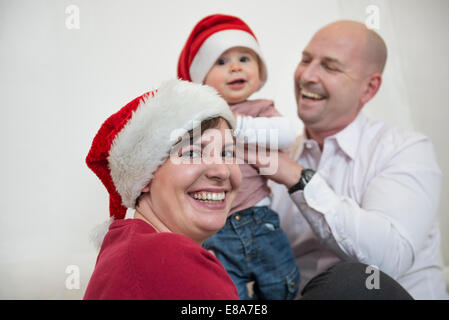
<point x="236" y="81"/>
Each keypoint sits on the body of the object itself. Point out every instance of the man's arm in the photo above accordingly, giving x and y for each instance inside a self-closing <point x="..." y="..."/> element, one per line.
<point x="392" y="222"/>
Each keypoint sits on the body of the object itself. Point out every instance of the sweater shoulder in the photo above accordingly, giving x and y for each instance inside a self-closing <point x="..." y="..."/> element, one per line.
<point x="138" y="263"/>
<point x="178" y="268"/>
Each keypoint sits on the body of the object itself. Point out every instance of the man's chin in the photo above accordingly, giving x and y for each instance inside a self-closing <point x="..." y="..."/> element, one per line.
<point x="308" y="116"/>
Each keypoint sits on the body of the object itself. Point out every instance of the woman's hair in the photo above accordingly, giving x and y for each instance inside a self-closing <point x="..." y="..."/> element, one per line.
<point x="205" y="125"/>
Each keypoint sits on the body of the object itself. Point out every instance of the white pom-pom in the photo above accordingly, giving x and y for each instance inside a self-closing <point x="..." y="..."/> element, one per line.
<point x="98" y="233"/>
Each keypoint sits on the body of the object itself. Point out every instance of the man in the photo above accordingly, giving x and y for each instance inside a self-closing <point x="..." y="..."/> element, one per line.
<point x="359" y="191"/>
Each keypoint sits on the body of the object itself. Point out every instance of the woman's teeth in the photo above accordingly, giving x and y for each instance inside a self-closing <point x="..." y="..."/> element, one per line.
<point x="209" y="196"/>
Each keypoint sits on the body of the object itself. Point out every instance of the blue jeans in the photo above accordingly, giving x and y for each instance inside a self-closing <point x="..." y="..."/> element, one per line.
<point x="252" y="247"/>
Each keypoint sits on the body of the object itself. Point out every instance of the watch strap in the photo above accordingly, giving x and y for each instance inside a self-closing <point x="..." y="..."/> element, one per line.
<point x="306" y="176"/>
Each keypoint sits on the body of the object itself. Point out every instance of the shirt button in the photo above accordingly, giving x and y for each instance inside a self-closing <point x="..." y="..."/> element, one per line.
<point x="308" y="145"/>
<point x="237" y="217"/>
<point x="293" y="284"/>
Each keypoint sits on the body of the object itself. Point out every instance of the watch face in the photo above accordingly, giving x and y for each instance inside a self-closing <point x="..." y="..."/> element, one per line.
<point x="308" y="174"/>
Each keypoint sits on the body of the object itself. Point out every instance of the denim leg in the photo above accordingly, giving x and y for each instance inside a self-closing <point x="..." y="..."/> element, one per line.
<point x="274" y="265"/>
<point x="229" y="248"/>
<point x="252" y="246"/>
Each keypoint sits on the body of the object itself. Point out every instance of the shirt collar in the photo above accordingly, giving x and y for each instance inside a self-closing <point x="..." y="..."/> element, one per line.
<point x="347" y="139"/>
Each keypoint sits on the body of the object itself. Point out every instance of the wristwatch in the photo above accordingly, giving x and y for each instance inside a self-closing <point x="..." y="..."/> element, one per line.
<point x="306" y="176"/>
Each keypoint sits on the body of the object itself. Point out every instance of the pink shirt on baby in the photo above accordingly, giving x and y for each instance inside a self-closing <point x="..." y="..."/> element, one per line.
<point x="254" y="186"/>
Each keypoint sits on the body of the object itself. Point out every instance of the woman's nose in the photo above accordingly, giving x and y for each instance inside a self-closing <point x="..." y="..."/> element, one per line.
<point x="218" y="171"/>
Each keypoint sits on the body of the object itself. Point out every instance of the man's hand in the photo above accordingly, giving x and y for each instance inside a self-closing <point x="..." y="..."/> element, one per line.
<point x="274" y="164"/>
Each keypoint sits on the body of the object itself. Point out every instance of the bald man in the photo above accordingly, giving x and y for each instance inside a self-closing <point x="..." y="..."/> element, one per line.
<point x="359" y="191"/>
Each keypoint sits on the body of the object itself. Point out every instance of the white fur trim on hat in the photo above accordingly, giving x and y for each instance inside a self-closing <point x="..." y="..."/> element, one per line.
<point x="98" y="233"/>
<point x="145" y="141"/>
<point x="214" y="46"/>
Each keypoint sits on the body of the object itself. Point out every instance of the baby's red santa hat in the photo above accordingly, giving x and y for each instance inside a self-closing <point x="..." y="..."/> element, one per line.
<point x="132" y="143"/>
<point x="212" y="36"/>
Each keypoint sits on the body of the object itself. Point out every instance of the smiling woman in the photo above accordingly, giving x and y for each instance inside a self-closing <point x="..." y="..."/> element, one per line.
<point x="193" y="199"/>
<point x="178" y="203"/>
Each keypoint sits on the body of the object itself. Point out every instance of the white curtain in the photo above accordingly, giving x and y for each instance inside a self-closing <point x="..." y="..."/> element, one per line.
<point x="391" y="104"/>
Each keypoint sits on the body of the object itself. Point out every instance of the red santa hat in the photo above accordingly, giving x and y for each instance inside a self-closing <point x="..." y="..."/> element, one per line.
<point x="212" y="36"/>
<point x="132" y="143"/>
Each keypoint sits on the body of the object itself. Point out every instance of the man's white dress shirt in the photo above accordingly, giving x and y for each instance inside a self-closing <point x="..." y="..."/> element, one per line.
<point x="374" y="199"/>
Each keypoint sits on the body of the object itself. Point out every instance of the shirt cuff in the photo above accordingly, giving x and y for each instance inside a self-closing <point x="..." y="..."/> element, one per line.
<point x="317" y="195"/>
<point x="319" y="204"/>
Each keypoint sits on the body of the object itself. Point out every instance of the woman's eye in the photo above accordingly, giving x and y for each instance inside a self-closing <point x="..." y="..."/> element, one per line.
<point x="191" y="154"/>
<point x="228" y="154"/>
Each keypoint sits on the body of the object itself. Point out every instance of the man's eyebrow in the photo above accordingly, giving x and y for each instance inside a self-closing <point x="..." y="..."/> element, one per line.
<point x="332" y="60"/>
<point x="305" y="53"/>
<point x="326" y="58"/>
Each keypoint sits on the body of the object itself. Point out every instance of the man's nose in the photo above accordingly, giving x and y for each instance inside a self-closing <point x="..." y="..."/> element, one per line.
<point x="309" y="73"/>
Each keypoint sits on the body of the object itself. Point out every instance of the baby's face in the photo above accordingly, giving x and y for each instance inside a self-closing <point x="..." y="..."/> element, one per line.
<point x="235" y="74"/>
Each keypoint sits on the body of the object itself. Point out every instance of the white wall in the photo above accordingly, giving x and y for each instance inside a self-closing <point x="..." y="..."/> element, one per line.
<point x="57" y="86"/>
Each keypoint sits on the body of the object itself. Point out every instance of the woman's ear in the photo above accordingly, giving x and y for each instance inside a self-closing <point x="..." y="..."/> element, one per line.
<point x="142" y="193"/>
<point x="147" y="188"/>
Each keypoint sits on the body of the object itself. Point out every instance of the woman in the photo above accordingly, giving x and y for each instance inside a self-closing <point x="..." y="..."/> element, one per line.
<point x="150" y="158"/>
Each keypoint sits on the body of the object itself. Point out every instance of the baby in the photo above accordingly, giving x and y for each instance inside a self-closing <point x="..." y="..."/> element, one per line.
<point x="223" y="52"/>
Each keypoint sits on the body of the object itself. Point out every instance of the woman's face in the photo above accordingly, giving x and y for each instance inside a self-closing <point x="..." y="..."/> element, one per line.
<point x="192" y="192"/>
